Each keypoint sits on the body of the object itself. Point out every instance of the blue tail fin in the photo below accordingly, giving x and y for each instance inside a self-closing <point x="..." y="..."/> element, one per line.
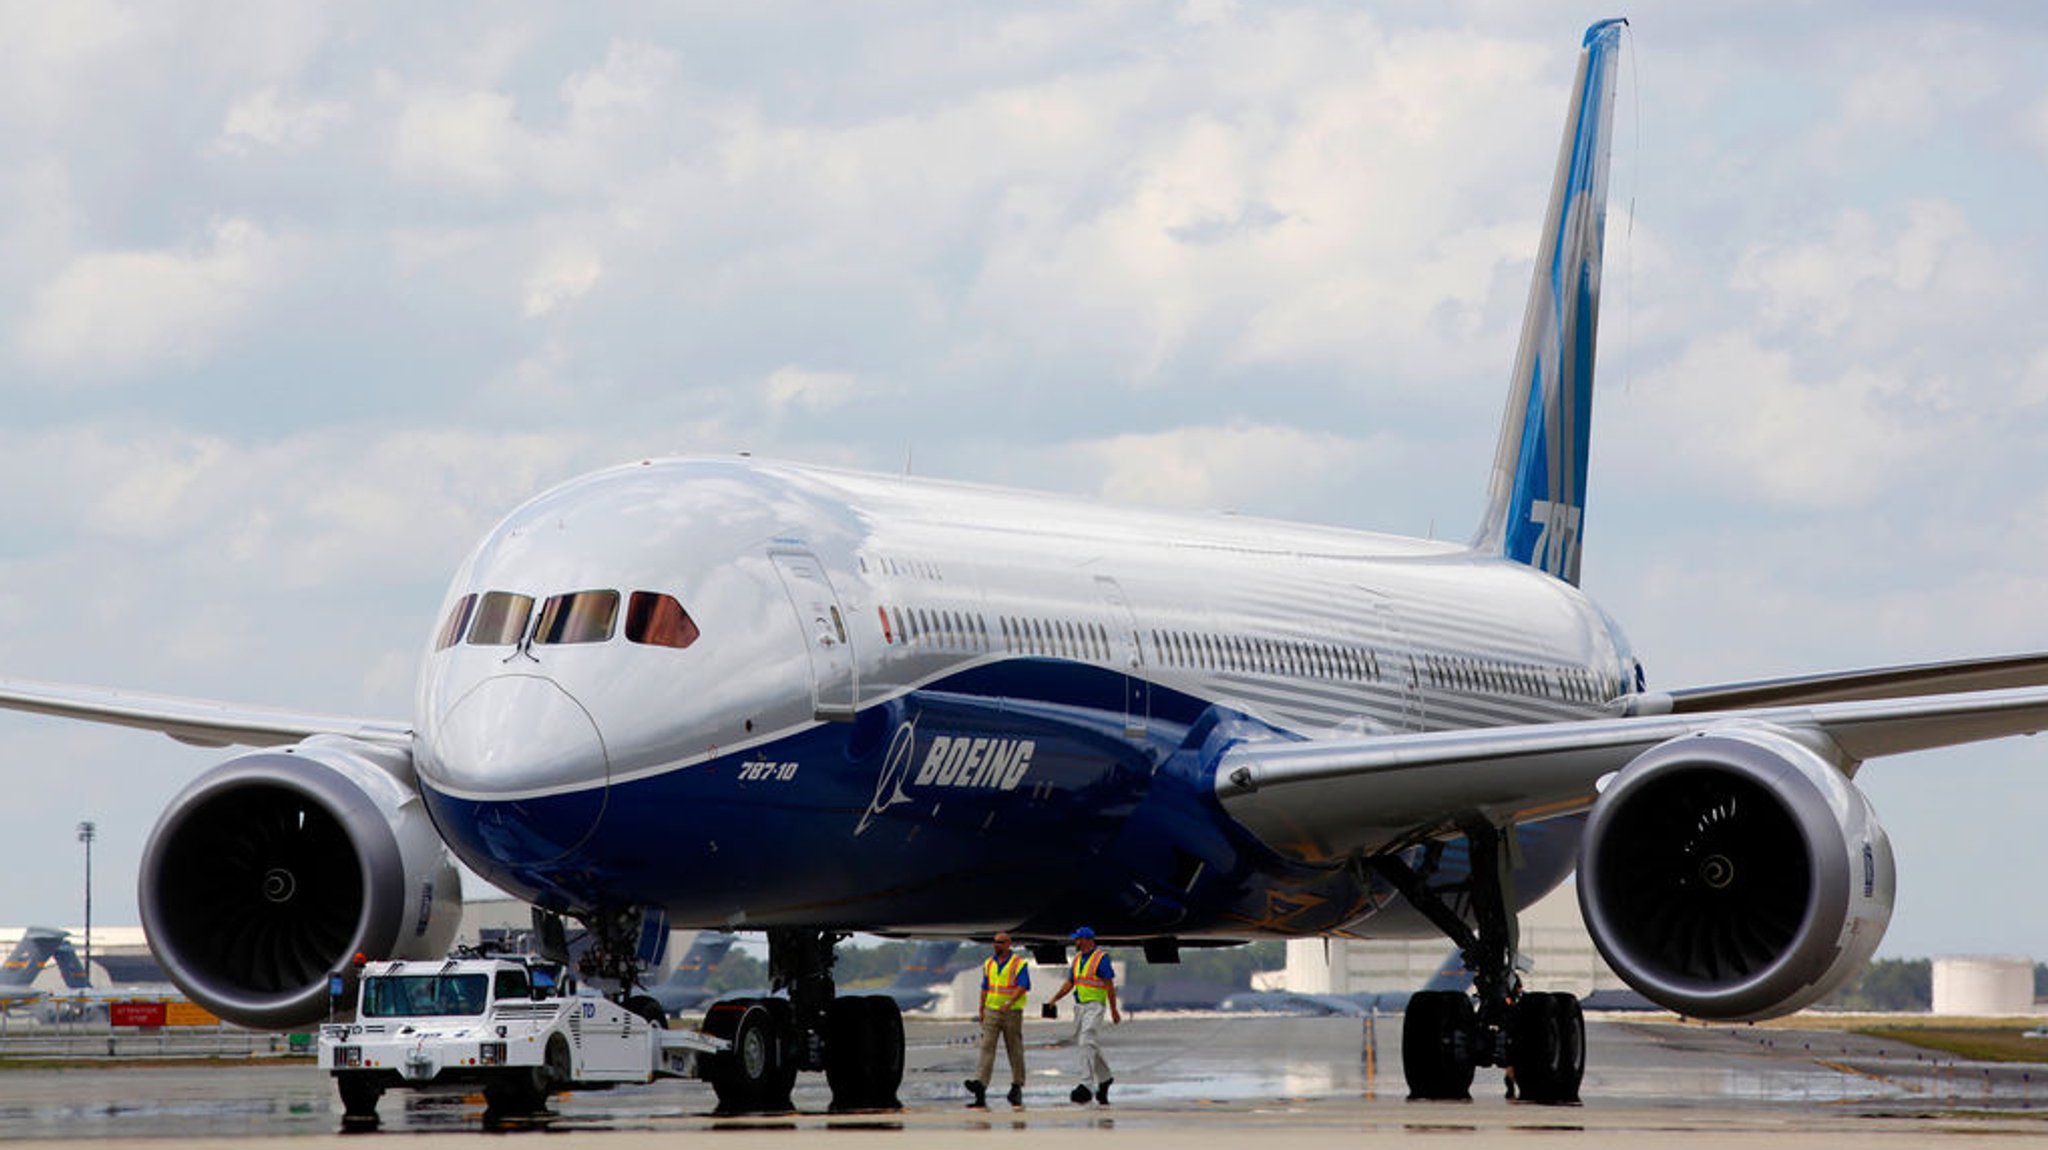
<point x="1536" y="500"/>
<point x="705" y="953"/>
<point x="26" y="960"/>
<point x="72" y="967"/>
<point x="926" y="964"/>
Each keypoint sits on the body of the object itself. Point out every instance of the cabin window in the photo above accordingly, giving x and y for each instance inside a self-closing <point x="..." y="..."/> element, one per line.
<point x="578" y="617"/>
<point x="500" y="619"/>
<point x="659" y="621"/>
<point x="458" y="618"/>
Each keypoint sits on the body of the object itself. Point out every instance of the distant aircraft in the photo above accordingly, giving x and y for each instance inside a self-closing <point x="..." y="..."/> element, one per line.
<point x="917" y="982"/>
<point x="726" y="693"/>
<point x="80" y="999"/>
<point x="25" y="962"/>
<point x="686" y="988"/>
<point x="1451" y="977"/>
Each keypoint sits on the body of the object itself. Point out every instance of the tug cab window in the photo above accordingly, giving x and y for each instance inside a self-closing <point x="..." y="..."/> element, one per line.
<point x="659" y="621"/>
<point x="424" y="995"/>
<point x="578" y="617"/>
<point x="500" y="619"/>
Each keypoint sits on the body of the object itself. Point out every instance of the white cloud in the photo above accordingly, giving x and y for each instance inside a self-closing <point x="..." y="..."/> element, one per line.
<point x="797" y="388"/>
<point x="562" y="277"/>
<point x="1857" y="280"/>
<point x="120" y="313"/>
<point x="1738" y="417"/>
<point x="1215" y="467"/>
<point x="266" y="119"/>
<point x="463" y="140"/>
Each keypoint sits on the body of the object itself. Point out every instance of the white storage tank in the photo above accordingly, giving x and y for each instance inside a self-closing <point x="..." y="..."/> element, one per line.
<point x="1983" y="984"/>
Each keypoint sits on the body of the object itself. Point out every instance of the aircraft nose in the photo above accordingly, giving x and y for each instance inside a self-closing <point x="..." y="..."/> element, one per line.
<point x="516" y="735"/>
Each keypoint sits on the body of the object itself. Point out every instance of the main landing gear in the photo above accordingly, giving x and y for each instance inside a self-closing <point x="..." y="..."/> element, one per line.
<point x="857" y="1041"/>
<point x="1538" y="1039"/>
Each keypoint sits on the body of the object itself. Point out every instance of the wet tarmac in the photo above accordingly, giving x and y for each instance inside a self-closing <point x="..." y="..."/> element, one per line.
<point x="1190" y="1080"/>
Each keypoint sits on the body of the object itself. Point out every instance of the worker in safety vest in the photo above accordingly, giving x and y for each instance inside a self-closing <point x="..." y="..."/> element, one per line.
<point x="1005" y="980"/>
<point x="1093" y="982"/>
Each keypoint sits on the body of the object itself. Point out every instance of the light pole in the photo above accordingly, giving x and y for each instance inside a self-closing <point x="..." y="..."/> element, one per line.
<point x="86" y="832"/>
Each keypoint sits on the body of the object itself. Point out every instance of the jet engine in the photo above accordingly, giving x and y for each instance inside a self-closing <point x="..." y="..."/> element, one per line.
<point x="1734" y="874"/>
<point x="271" y="871"/>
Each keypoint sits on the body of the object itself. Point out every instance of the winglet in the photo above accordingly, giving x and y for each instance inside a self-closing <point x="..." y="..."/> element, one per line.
<point x="1536" y="498"/>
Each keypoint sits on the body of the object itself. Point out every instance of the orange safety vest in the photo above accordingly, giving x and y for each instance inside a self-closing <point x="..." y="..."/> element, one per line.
<point x="1003" y="993"/>
<point x="1088" y="987"/>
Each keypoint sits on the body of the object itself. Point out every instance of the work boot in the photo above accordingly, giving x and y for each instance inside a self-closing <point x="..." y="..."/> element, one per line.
<point x="1082" y="1093"/>
<point x="1102" y="1091"/>
<point x="980" y="1093"/>
<point x="1016" y="1094"/>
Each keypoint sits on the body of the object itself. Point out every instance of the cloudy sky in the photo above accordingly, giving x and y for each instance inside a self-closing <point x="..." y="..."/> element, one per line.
<point x="297" y="299"/>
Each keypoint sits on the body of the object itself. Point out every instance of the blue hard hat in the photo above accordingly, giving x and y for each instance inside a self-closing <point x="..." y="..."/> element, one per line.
<point x="1084" y="932"/>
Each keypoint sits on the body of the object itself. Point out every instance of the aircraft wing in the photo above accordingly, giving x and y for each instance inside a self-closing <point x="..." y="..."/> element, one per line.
<point x="199" y="722"/>
<point x="1320" y="800"/>
<point x="1877" y="683"/>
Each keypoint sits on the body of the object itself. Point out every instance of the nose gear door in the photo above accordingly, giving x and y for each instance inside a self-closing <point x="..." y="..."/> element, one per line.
<point x="825" y="634"/>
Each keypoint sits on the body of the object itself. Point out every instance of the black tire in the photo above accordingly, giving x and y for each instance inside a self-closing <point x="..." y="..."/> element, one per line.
<point x="516" y="1093"/>
<point x="359" y="1095"/>
<point x="887" y="1021"/>
<point x="556" y="1067"/>
<point x="648" y="1007"/>
<point x="864" y="1052"/>
<point x="1436" y="1046"/>
<point x="746" y="1078"/>
<point x="1547" y="1047"/>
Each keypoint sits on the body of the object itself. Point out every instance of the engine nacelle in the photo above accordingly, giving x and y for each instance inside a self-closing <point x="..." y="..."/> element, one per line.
<point x="1735" y="874"/>
<point x="272" y="870"/>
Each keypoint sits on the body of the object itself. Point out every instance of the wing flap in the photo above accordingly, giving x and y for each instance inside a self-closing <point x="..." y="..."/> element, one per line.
<point x="1320" y="800"/>
<point x="200" y="722"/>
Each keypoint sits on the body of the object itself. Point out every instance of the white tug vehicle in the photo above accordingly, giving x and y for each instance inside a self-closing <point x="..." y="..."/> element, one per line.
<point x="503" y="1025"/>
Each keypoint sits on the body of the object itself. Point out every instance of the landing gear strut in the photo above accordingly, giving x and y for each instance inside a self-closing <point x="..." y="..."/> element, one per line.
<point x="856" y="1041"/>
<point x="1538" y="1039"/>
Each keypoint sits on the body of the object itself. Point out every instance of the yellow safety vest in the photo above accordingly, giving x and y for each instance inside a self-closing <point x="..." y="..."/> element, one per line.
<point x="1003" y="993"/>
<point x="1088" y="987"/>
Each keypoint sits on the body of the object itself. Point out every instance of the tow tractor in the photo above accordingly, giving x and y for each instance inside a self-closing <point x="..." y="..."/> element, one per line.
<point x="506" y="1026"/>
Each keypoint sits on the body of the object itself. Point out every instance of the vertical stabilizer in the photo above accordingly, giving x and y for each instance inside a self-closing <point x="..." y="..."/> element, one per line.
<point x="1536" y="499"/>
<point x="26" y="961"/>
<point x="694" y="969"/>
<point x="926" y="964"/>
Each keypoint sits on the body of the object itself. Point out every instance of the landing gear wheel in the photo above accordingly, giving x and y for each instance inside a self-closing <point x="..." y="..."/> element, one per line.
<point x="864" y="1052"/>
<point x="1547" y="1047"/>
<point x="749" y="1078"/>
<point x="1436" y="1046"/>
<point x="359" y="1095"/>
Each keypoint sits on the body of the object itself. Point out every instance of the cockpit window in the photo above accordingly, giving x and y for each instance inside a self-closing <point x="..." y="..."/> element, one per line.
<point x="458" y="618"/>
<point x="659" y="621"/>
<point x="578" y="617"/>
<point x="500" y="619"/>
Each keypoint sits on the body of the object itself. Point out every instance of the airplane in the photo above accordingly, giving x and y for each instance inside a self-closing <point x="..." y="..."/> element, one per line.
<point x="916" y="983"/>
<point x="79" y="999"/>
<point x="18" y="973"/>
<point x="686" y="987"/>
<point x="1451" y="975"/>
<point x="737" y="694"/>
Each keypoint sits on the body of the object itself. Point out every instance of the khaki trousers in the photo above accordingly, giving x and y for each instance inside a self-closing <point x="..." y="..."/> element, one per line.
<point x="1007" y="1025"/>
<point x="1088" y="1041"/>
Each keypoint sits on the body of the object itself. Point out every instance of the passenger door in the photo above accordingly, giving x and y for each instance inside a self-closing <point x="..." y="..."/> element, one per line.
<point x="825" y="631"/>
